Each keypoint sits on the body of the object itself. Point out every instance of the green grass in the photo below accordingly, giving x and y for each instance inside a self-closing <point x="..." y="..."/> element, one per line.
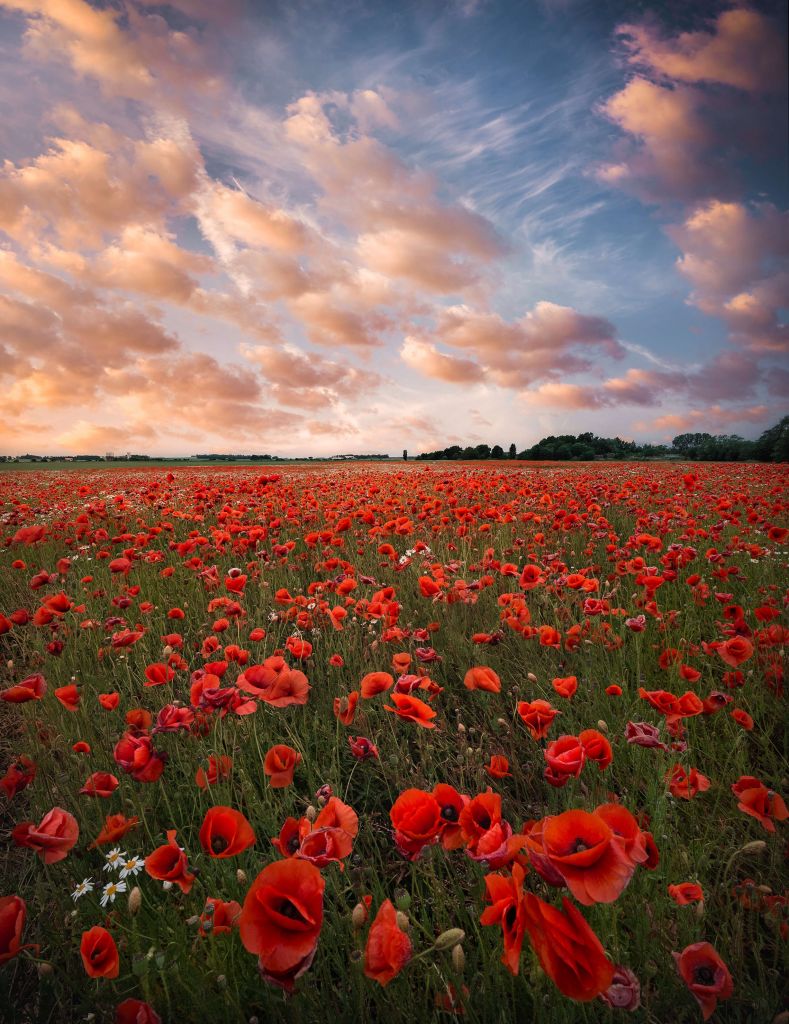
<point x="190" y="979"/>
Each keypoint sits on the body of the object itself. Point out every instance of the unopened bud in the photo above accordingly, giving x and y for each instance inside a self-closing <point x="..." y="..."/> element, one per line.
<point x="359" y="916"/>
<point x="310" y="814"/>
<point x="241" y="877"/>
<point x="458" y="958"/>
<point x="402" y="921"/>
<point x="531" y="677"/>
<point x="402" y="899"/>
<point x="700" y="909"/>
<point x="167" y="651"/>
<point x="135" y="900"/>
<point x="756" y="846"/>
<point x="221" y="981"/>
<point x="451" y="937"/>
<point x="193" y="921"/>
<point x="602" y="726"/>
<point x="502" y="722"/>
<point x="469" y="751"/>
<point x="461" y="727"/>
<point x="45" y="970"/>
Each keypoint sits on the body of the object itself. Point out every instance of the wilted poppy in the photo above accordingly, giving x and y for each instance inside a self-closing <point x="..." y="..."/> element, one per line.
<point x="388" y="947"/>
<point x="52" y="838"/>
<point x="412" y="709"/>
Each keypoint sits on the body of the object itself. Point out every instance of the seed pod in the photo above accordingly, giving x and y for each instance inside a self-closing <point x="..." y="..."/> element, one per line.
<point x="402" y="899"/>
<point x="451" y="937"/>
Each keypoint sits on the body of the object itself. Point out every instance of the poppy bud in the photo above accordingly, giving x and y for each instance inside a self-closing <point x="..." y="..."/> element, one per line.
<point x="310" y="814"/>
<point x="458" y="958"/>
<point x="502" y="722"/>
<point x="135" y="900"/>
<point x="402" y="899"/>
<point x="461" y="727"/>
<point x="602" y="726"/>
<point x="45" y="970"/>
<point x="531" y="677"/>
<point x="402" y="921"/>
<point x="700" y="909"/>
<point x="359" y="916"/>
<point x="221" y="981"/>
<point x="167" y="651"/>
<point x="241" y="877"/>
<point x="757" y="846"/>
<point x="451" y="937"/>
<point x="193" y="921"/>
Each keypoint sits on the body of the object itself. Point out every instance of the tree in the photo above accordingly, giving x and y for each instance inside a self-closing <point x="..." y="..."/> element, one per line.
<point x="405" y="455"/>
<point x="497" y="452"/>
<point x="513" y="450"/>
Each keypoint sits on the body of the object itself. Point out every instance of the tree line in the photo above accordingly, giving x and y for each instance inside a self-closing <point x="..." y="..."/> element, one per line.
<point x="771" y="446"/>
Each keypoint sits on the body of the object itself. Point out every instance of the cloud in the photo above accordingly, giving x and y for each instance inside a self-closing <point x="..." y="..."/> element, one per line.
<point x="712" y="418"/>
<point x="427" y="360"/>
<point x="741" y="48"/>
<point x="735" y="255"/>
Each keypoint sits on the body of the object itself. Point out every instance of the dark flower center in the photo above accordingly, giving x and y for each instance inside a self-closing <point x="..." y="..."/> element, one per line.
<point x="449" y="813"/>
<point x="218" y="844"/>
<point x="484" y="821"/>
<point x="293" y="843"/>
<point x="704" y="975"/>
<point x="579" y="846"/>
<point x="510" y="916"/>
<point x="288" y="909"/>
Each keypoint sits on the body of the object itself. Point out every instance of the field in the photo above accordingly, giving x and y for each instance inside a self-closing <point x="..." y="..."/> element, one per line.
<point x="273" y="747"/>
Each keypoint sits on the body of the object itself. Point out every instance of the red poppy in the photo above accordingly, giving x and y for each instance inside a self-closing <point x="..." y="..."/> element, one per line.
<point x="280" y="764"/>
<point x="565" y="686"/>
<point x="755" y="799"/>
<point x="375" y="682"/>
<point x="743" y="719"/>
<point x="596" y="747"/>
<point x="583" y="849"/>
<point x="68" y="696"/>
<point x="99" y="954"/>
<point x="219" y="917"/>
<point x="416" y="817"/>
<point x="158" y="674"/>
<point x="564" y="757"/>
<point x="52" y="838"/>
<point x="100" y="784"/>
<point x="109" y="701"/>
<point x="388" y="948"/>
<point x="18" y="776"/>
<point x="537" y="716"/>
<point x="499" y="767"/>
<point x="412" y="709"/>
<point x="281" y="919"/>
<point x="135" y="1011"/>
<point x="225" y="832"/>
<point x="685" y="893"/>
<point x="345" y="707"/>
<point x="13" y="914"/>
<point x="115" y="827"/>
<point x="705" y="974"/>
<point x="169" y="863"/>
<point x="482" y="678"/>
<point x="568" y="950"/>
<point x="505" y="894"/>
<point x="137" y="757"/>
<point x="32" y="688"/>
<point x="685" y="785"/>
<point x="735" y="650"/>
<point x="362" y="749"/>
<point x="219" y="768"/>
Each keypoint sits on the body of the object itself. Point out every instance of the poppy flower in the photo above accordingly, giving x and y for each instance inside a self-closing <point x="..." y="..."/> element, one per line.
<point x="362" y="749"/>
<point x="735" y="650"/>
<point x="482" y="678"/>
<point x="412" y="709"/>
<point x="136" y="756"/>
<point x="505" y="895"/>
<point x="583" y="849"/>
<point x="100" y="784"/>
<point x="32" y="688"/>
<point x="388" y="948"/>
<point x="537" y="716"/>
<point x="596" y="747"/>
<point x="565" y="757"/>
<point x="135" y="1011"/>
<point x="755" y="799"/>
<point x="169" y="863"/>
<point x="68" y="696"/>
<point x="644" y="734"/>
<point x="219" y="768"/>
<point x="568" y="950"/>
<point x="52" y="838"/>
<point x="157" y="674"/>
<point x="624" y="993"/>
<point x="226" y="832"/>
<point x="115" y="827"/>
<point x="565" y="686"/>
<point x="685" y="785"/>
<point x="345" y="708"/>
<point x="416" y="817"/>
<point x="499" y="767"/>
<point x="685" y="893"/>
<point x="375" y="682"/>
<point x="13" y="914"/>
<point x="743" y="719"/>
<point x="19" y="774"/>
<point x="99" y="954"/>
<point x="705" y="974"/>
<point x="109" y="701"/>
<point x="281" y="919"/>
<point x="280" y="764"/>
<point x="219" y="917"/>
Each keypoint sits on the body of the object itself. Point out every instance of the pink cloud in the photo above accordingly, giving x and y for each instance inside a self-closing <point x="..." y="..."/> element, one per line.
<point x="427" y="360"/>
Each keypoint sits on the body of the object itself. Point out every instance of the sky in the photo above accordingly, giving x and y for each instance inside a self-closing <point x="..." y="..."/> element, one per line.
<point x="313" y="228"/>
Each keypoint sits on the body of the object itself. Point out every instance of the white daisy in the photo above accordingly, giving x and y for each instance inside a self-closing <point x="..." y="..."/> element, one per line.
<point x="85" y="886"/>
<point x="110" y="891"/>
<point x="132" y="866"/>
<point x="114" y="859"/>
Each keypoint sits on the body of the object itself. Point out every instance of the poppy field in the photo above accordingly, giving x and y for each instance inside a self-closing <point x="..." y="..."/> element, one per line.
<point x="499" y="741"/>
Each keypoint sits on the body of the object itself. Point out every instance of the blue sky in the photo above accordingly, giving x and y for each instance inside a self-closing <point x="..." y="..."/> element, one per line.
<point x="307" y="227"/>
